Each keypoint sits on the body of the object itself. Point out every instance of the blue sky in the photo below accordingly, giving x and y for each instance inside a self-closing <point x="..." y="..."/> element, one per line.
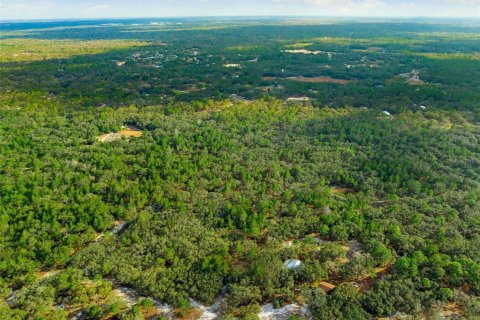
<point x="61" y="9"/>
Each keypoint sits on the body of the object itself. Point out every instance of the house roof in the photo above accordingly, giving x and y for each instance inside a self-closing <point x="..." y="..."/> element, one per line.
<point x="327" y="286"/>
<point x="292" y="264"/>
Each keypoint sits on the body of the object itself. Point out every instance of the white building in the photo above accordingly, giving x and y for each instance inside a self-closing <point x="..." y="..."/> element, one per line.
<point x="292" y="264"/>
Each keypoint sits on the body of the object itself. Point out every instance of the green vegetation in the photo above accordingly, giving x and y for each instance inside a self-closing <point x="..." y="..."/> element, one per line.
<point x="14" y="50"/>
<point x="201" y="196"/>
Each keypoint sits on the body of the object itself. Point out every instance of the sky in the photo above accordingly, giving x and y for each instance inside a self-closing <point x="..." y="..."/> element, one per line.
<point x="66" y="9"/>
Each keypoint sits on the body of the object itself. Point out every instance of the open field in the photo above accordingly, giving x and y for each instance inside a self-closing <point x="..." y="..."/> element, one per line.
<point x="123" y="133"/>
<point x="22" y="50"/>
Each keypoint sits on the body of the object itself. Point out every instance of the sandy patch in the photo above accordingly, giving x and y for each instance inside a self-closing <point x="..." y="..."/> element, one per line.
<point x="129" y="132"/>
<point x="412" y="77"/>
<point x="124" y="133"/>
<point x="207" y="313"/>
<point x="47" y="274"/>
<point x="267" y="312"/>
<point x="304" y="51"/>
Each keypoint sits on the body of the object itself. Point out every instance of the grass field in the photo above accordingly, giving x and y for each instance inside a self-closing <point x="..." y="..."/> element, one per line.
<point x="17" y="50"/>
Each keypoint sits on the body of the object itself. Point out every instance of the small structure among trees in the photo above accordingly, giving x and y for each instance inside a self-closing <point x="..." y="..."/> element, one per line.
<point x="292" y="264"/>
<point x="326" y="286"/>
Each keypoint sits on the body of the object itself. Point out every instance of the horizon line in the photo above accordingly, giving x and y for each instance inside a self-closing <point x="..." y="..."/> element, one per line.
<point x="240" y="16"/>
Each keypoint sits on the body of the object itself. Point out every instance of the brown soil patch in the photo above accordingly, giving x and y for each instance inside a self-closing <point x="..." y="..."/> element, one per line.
<point x="128" y="133"/>
<point x="415" y="82"/>
<point x="125" y="132"/>
<point x="191" y="314"/>
<point x="369" y="280"/>
<point x="149" y="313"/>
<point x="452" y="310"/>
<point x="270" y="78"/>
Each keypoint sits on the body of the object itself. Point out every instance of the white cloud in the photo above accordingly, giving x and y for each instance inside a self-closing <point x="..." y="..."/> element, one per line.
<point x="22" y="10"/>
<point x="319" y="2"/>
<point x="476" y="2"/>
<point x="98" y="8"/>
<point x="339" y="3"/>
<point x="371" y="3"/>
<point x="407" y="5"/>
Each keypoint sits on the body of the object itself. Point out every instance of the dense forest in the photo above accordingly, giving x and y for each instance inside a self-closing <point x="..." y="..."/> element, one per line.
<point x="227" y="169"/>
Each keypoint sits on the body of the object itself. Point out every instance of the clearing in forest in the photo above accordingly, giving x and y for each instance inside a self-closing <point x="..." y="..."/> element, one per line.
<point x="130" y="132"/>
<point x="232" y="65"/>
<point x="123" y="133"/>
<point x="303" y="51"/>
